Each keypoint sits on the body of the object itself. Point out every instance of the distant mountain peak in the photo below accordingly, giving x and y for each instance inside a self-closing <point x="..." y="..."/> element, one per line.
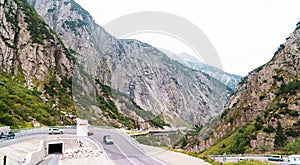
<point x="193" y="62"/>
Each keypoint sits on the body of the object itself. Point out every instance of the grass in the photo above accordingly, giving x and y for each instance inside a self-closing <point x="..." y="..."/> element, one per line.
<point x="219" y="148"/>
<point x="210" y="160"/>
<point x="250" y="162"/>
<point x="19" y="105"/>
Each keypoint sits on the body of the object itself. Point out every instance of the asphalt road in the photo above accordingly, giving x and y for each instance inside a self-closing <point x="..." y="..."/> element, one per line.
<point x="37" y="133"/>
<point x="122" y="152"/>
<point x="50" y="160"/>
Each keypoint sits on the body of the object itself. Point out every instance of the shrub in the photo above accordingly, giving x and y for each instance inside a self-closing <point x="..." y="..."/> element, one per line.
<point x="224" y="113"/>
<point x="262" y="96"/>
<point x="292" y="147"/>
<point x="269" y="129"/>
<point x="289" y="88"/>
<point x="258" y="123"/>
<point x="292" y="132"/>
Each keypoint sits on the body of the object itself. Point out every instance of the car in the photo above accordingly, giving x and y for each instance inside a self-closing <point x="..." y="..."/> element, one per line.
<point x="294" y="159"/>
<point x="241" y="159"/>
<point x="108" y="139"/>
<point x="276" y="158"/>
<point x="90" y="133"/>
<point x="55" y="131"/>
<point x="7" y="135"/>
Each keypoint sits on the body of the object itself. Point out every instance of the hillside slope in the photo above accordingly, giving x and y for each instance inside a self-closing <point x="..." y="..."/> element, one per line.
<point x="35" y="69"/>
<point x="263" y="114"/>
<point x="39" y="80"/>
<point x="152" y="80"/>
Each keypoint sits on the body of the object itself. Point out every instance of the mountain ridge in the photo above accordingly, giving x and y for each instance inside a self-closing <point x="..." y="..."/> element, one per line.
<point x="231" y="80"/>
<point x="148" y="76"/>
<point x="263" y="109"/>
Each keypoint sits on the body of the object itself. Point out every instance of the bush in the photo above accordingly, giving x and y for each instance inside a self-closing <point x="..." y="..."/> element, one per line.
<point x="290" y="112"/>
<point x="224" y="113"/>
<point x="258" y="123"/>
<point x="292" y="132"/>
<point x="289" y="88"/>
<point x="292" y="147"/>
<point x="269" y="129"/>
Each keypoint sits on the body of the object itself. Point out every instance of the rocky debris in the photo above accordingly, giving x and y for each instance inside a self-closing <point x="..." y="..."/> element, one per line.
<point x="84" y="152"/>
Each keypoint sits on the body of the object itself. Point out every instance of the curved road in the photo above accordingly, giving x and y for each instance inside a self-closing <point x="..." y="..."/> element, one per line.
<point x="122" y="152"/>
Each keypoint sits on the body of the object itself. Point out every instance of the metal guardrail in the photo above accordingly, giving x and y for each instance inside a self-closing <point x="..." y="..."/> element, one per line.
<point x="25" y="132"/>
<point x="246" y="155"/>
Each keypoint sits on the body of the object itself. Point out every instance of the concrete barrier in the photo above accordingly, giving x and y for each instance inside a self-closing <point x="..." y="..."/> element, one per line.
<point x="37" y="156"/>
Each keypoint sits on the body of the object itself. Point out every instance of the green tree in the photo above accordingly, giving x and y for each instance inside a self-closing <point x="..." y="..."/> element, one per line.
<point x="280" y="137"/>
<point x="293" y="147"/>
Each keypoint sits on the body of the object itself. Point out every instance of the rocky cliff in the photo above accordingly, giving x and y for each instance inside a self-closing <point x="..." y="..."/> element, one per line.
<point x="32" y="56"/>
<point x="156" y="83"/>
<point x="190" y="61"/>
<point x="263" y="113"/>
<point x="39" y="80"/>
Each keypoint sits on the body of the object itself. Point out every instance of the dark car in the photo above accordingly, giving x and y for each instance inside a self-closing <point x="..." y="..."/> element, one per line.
<point x="108" y="139"/>
<point x="7" y="135"/>
<point x="276" y="158"/>
<point x="90" y="133"/>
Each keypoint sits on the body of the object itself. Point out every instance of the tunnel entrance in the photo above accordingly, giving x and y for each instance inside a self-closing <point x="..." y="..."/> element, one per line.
<point x="55" y="148"/>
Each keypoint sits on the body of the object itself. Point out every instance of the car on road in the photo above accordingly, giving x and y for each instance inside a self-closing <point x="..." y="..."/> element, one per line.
<point x="241" y="159"/>
<point x="90" y="133"/>
<point x="108" y="139"/>
<point x="276" y="158"/>
<point x="55" y="130"/>
<point x="7" y="135"/>
<point x="294" y="159"/>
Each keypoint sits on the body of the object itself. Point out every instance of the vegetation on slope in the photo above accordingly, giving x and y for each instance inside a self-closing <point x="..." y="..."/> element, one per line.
<point x="19" y="105"/>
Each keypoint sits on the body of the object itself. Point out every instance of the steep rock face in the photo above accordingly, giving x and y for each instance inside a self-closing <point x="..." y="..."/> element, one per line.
<point x="269" y="95"/>
<point x="41" y="85"/>
<point x="33" y="57"/>
<point x="29" y="46"/>
<point x="155" y="82"/>
<point x="228" y="79"/>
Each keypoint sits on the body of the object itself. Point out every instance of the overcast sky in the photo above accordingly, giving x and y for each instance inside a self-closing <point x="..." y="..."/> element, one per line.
<point x="245" y="33"/>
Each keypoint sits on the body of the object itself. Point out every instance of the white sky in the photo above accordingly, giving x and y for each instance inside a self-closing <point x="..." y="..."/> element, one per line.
<point x="245" y="33"/>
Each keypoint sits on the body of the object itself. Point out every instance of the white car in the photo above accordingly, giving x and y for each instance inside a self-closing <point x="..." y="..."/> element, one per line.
<point x="55" y="131"/>
<point x="294" y="159"/>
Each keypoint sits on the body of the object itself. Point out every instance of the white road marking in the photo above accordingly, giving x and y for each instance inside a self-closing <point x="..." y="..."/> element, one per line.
<point x="124" y="154"/>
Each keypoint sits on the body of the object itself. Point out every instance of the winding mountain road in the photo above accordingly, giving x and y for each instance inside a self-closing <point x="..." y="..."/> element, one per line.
<point x="123" y="152"/>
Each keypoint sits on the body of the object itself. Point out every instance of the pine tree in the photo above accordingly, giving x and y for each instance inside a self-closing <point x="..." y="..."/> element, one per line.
<point x="280" y="137"/>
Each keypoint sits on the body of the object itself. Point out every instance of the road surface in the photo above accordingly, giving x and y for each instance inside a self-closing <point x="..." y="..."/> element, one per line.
<point x="122" y="152"/>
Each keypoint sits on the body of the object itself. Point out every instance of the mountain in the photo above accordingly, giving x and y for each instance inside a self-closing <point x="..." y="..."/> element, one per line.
<point x="263" y="113"/>
<point x="190" y="61"/>
<point x="35" y="70"/>
<point x="39" y="78"/>
<point x="151" y="79"/>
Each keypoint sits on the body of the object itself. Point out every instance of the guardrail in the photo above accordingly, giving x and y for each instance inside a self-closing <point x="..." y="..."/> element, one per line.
<point x="245" y="155"/>
<point x="25" y="132"/>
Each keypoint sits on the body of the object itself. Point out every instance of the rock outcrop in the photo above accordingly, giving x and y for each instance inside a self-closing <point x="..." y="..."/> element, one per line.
<point x="31" y="53"/>
<point x="190" y="61"/>
<point x="155" y="82"/>
<point x="268" y="96"/>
